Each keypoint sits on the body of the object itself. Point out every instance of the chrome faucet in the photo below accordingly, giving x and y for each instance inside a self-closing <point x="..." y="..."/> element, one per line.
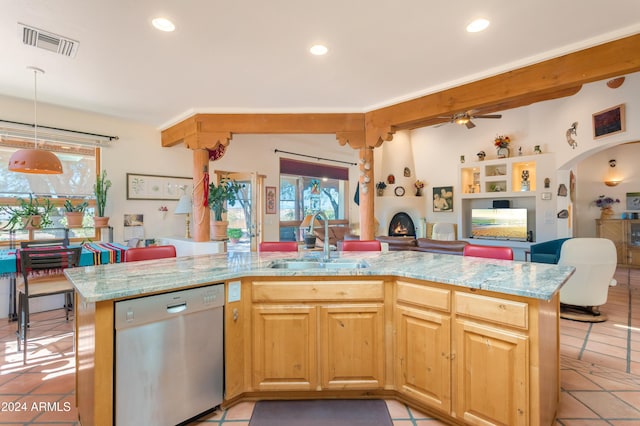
<point x="325" y="243"/>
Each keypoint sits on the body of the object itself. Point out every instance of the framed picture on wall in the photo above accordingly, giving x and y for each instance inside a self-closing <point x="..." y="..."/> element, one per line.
<point x="609" y="122"/>
<point x="270" y="207"/>
<point x="633" y="200"/>
<point x="443" y="198"/>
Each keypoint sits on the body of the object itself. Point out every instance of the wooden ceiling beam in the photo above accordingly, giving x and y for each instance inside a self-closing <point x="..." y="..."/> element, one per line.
<point x="546" y="80"/>
<point x="202" y="130"/>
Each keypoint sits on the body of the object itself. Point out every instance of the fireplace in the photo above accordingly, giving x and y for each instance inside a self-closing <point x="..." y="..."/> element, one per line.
<point x="401" y="225"/>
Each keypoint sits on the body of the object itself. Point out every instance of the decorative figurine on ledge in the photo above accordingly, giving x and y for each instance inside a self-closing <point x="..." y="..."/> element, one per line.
<point x="481" y="155"/>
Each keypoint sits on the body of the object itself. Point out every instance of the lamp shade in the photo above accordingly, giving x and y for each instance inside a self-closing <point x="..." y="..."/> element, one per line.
<point x="184" y="205"/>
<point x="35" y="161"/>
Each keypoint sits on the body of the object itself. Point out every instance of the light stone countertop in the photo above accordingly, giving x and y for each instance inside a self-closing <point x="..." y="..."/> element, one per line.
<point x="125" y="280"/>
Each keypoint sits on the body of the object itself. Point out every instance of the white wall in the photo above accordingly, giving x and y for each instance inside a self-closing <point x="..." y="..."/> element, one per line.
<point x="437" y="150"/>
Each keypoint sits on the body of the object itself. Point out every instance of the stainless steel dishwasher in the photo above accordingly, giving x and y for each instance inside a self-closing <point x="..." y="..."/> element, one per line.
<point x="169" y="356"/>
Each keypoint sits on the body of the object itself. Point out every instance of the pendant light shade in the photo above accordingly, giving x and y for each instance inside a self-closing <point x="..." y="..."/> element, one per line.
<point x="34" y="160"/>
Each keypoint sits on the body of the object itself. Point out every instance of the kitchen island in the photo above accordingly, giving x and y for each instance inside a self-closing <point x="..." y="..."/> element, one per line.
<point x="469" y="340"/>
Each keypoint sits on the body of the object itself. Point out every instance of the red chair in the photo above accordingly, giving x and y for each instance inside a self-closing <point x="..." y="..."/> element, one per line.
<point x="361" y="245"/>
<point x="489" y="252"/>
<point x="278" y="246"/>
<point x="134" y="254"/>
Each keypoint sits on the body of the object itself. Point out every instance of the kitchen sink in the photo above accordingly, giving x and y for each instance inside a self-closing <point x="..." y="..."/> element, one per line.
<point x="300" y="264"/>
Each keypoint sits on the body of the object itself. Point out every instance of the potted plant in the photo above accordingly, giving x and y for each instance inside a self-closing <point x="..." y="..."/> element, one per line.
<point x="234" y="234"/>
<point x="74" y="213"/>
<point x="31" y="214"/>
<point x="380" y="186"/>
<point x="219" y="195"/>
<point x="100" y="189"/>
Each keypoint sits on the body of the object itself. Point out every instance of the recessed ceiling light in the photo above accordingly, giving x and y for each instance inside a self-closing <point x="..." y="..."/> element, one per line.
<point x="319" y="50"/>
<point x="163" y="24"/>
<point x="478" y="25"/>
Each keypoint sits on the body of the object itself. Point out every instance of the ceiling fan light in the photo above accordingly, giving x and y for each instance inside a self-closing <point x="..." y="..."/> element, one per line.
<point x="462" y="120"/>
<point x="35" y="161"/>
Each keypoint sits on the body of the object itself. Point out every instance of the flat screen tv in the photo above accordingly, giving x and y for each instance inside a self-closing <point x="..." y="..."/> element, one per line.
<point x="499" y="224"/>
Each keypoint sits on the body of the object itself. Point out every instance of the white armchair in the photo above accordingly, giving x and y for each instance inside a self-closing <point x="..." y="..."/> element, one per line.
<point x="443" y="231"/>
<point x="595" y="261"/>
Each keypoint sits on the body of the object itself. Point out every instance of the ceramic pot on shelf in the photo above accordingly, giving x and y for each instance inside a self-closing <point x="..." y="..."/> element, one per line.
<point x="503" y="152"/>
<point x="606" y="213"/>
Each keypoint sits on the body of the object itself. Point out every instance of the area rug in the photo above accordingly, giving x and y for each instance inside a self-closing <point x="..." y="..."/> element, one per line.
<point x="576" y="313"/>
<point x="335" y="412"/>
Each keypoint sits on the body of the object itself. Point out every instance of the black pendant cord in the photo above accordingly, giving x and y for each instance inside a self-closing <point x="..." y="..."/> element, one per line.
<point x="111" y="138"/>
<point x="315" y="158"/>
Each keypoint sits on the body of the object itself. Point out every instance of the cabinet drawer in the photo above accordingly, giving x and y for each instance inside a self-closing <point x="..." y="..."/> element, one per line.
<point x="301" y="291"/>
<point x="421" y="295"/>
<point x="500" y="311"/>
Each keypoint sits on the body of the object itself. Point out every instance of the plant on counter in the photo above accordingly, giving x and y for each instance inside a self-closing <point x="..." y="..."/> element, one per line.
<point x="234" y="234"/>
<point x="100" y="189"/>
<point x="78" y="208"/>
<point x="28" y="214"/>
<point x="219" y="195"/>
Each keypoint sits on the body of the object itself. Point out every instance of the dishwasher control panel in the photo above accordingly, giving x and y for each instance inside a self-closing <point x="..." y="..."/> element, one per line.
<point x="147" y="309"/>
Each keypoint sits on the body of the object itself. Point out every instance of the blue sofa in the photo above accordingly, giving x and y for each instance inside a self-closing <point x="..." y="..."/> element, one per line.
<point x="548" y="251"/>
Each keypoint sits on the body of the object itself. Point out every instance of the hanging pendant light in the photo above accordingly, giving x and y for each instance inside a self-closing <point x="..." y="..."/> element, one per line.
<point x="34" y="160"/>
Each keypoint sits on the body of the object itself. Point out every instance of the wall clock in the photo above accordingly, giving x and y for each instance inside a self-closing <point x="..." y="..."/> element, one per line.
<point x="399" y="191"/>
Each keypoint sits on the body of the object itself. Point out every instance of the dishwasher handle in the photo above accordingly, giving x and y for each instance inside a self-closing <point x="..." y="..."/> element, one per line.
<point x="174" y="309"/>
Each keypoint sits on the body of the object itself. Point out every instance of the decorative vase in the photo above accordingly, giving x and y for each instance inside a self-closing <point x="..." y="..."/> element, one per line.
<point x="606" y="213"/>
<point x="380" y="192"/>
<point x="309" y="241"/>
<point x="503" y="152"/>
<point x="418" y="192"/>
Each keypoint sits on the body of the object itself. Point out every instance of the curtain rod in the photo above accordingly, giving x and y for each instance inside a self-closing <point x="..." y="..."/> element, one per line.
<point x="315" y="158"/>
<point x="111" y="138"/>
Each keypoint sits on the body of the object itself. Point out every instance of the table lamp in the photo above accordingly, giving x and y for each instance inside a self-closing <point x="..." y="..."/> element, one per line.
<point x="185" y="206"/>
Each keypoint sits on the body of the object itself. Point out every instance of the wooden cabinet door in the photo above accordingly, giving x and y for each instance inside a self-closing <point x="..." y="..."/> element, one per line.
<point x="285" y="347"/>
<point x="614" y="230"/>
<point x="352" y="346"/>
<point x="423" y="363"/>
<point x="492" y="383"/>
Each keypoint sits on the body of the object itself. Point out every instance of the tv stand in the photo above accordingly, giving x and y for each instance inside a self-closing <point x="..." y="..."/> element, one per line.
<point x="482" y="182"/>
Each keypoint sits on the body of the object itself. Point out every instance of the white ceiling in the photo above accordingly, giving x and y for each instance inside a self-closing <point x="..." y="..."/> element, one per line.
<point x="252" y="55"/>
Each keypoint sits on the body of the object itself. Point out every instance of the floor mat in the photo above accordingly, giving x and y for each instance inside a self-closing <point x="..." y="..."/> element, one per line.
<point x="340" y="412"/>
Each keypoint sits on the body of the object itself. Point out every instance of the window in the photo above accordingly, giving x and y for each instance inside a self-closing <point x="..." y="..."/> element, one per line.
<point x="79" y="165"/>
<point x="310" y="187"/>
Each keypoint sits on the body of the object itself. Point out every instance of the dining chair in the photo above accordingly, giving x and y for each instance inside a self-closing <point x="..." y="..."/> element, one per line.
<point x="135" y="254"/>
<point x="361" y="245"/>
<point x="266" y="246"/>
<point x="489" y="252"/>
<point x="52" y="242"/>
<point x="42" y="270"/>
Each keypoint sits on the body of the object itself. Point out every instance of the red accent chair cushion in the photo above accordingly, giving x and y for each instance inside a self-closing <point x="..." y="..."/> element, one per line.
<point x="361" y="245"/>
<point x="146" y="253"/>
<point x="490" y="252"/>
<point x="278" y="246"/>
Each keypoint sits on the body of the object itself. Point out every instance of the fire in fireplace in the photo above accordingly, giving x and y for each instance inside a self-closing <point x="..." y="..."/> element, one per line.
<point x="401" y="225"/>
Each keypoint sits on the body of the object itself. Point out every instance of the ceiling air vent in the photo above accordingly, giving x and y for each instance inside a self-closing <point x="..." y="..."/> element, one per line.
<point x="35" y="37"/>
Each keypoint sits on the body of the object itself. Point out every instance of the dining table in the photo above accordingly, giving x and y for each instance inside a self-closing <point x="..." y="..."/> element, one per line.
<point x="93" y="253"/>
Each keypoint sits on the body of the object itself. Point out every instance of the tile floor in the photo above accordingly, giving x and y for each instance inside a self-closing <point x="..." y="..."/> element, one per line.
<point x="600" y="375"/>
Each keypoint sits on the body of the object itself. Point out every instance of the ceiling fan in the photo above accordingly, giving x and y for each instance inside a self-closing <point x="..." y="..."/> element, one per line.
<point x="465" y="118"/>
